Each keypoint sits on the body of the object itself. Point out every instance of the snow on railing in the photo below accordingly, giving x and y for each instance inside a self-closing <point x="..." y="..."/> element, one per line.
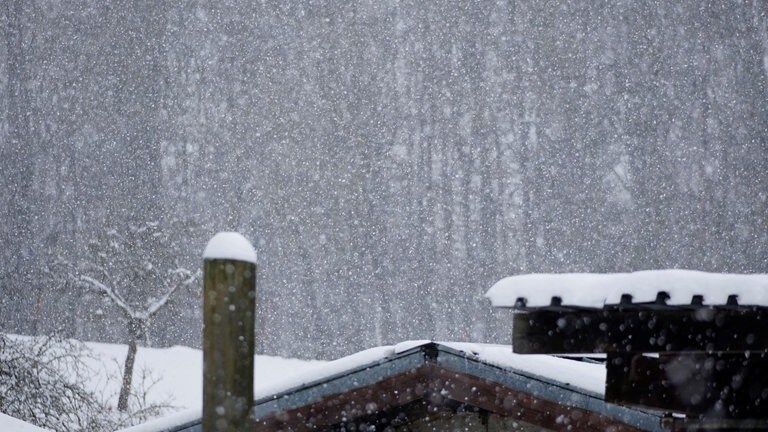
<point x="595" y="290"/>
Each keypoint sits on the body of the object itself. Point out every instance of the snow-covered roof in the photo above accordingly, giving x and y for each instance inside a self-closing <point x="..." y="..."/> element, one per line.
<point x="327" y="389"/>
<point x="8" y="423"/>
<point x="178" y="421"/>
<point x="593" y="290"/>
<point x="585" y="376"/>
<point x="582" y="377"/>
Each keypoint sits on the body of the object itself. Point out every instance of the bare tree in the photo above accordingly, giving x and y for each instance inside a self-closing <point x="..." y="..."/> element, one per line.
<point x="135" y="272"/>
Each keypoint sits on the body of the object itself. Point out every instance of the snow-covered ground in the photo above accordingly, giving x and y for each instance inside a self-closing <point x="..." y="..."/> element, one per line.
<point x="171" y="377"/>
<point x="175" y="374"/>
<point x="10" y="424"/>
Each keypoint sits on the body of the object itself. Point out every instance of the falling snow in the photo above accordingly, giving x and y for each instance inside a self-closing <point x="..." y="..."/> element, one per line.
<point x="389" y="161"/>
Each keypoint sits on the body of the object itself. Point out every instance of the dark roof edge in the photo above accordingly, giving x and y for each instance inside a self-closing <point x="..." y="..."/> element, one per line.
<point x="190" y="426"/>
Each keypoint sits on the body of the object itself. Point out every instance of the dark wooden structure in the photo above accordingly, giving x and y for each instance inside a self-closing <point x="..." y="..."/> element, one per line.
<point x="434" y="387"/>
<point x="709" y="362"/>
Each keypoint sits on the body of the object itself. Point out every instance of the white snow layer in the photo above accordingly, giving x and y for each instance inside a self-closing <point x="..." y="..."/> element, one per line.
<point x="324" y="371"/>
<point x="586" y="376"/>
<point x="596" y="290"/>
<point x="230" y="245"/>
<point x="177" y="372"/>
<point x="168" y="422"/>
<point x="11" y="424"/>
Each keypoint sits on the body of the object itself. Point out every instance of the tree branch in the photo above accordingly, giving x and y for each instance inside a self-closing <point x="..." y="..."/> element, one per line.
<point x="154" y="307"/>
<point x="116" y="298"/>
<point x="621" y="179"/>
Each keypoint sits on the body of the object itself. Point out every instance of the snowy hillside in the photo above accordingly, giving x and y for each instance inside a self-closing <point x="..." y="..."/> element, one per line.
<point x="175" y="375"/>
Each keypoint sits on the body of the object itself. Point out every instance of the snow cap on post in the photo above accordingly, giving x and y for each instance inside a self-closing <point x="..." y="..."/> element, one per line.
<point x="231" y="246"/>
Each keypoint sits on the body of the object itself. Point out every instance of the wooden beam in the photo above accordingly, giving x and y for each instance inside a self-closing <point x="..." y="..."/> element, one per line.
<point x="229" y="301"/>
<point x="671" y="330"/>
<point x="713" y="386"/>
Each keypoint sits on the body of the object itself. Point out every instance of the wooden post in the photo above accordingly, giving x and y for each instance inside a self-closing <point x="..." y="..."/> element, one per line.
<point x="229" y="294"/>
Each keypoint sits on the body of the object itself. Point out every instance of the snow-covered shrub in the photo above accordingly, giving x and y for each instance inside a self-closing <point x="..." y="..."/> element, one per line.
<point x="42" y="381"/>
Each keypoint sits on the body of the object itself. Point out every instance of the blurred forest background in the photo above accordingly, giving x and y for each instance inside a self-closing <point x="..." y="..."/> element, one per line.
<point x="390" y="160"/>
